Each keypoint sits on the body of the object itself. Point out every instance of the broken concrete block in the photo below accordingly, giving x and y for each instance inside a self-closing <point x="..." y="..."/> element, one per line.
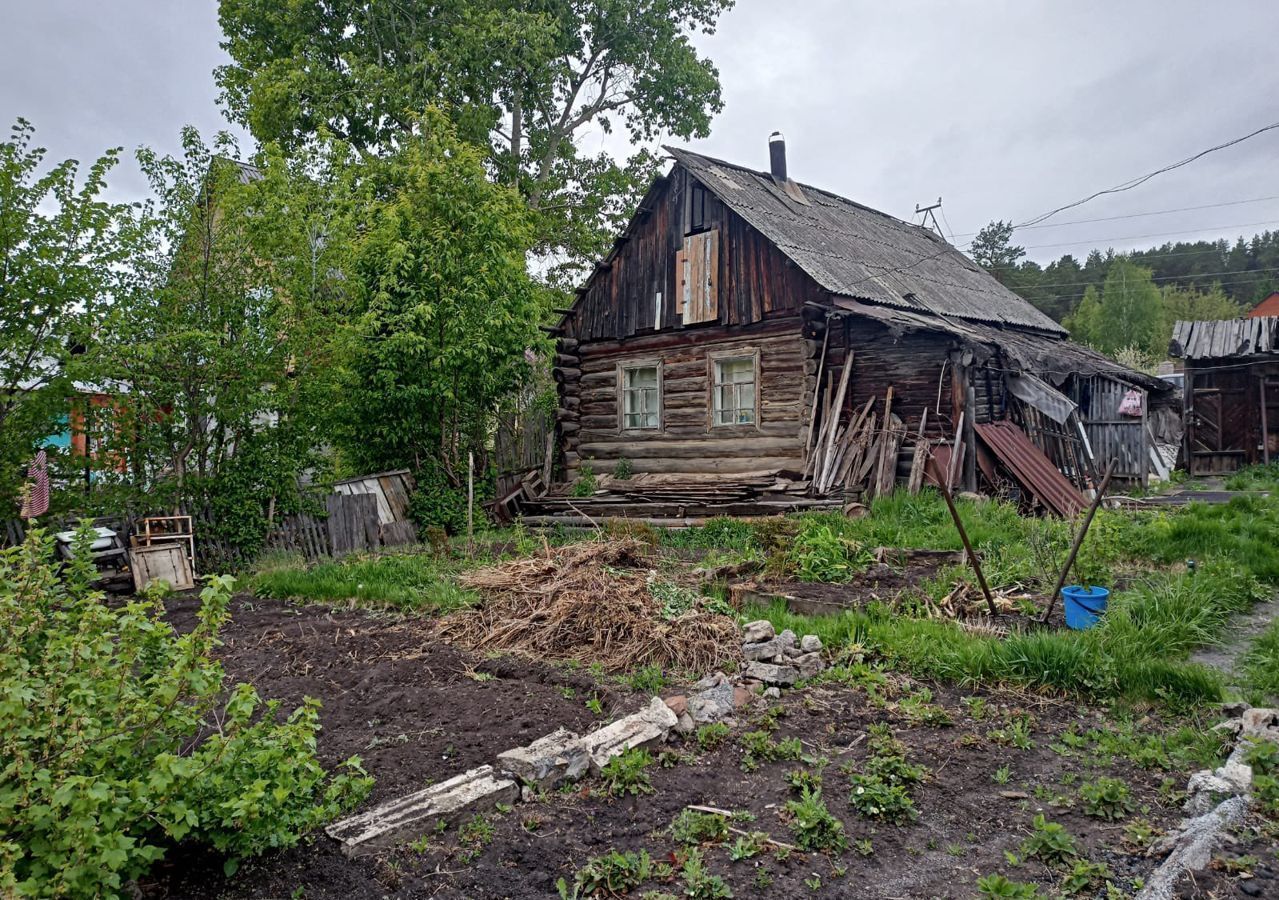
<point x="780" y="676"/>
<point x="810" y="643"/>
<point x="757" y="631"/>
<point x="809" y="664"/>
<point x="1259" y="720"/>
<point x="773" y="693"/>
<point x="645" y="728"/>
<point x="414" y="815"/>
<point x="549" y="760"/>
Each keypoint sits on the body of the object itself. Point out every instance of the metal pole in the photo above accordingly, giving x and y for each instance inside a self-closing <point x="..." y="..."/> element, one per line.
<point x="968" y="549"/>
<point x="1079" y="539"/>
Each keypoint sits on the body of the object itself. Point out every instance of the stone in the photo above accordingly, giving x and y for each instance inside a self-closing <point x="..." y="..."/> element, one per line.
<point x="788" y="639"/>
<point x="710" y="681"/>
<point x="765" y="651"/>
<point x="712" y="705"/>
<point x="792" y="652"/>
<point x="1191" y="847"/>
<point x="810" y="643"/>
<point x="778" y="676"/>
<point x="685" y="724"/>
<point x="548" y="761"/>
<point x="1259" y="720"/>
<point x="413" y="815"/>
<point x="678" y="704"/>
<point x="809" y="664"/>
<point x="645" y="728"/>
<point x="757" y="631"/>
<point x="1237" y="773"/>
<point x="773" y="693"/>
<point x="741" y="695"/>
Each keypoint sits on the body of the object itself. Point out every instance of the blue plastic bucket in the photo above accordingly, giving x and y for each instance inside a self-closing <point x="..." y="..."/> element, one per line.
<point x="1084" y="606"/>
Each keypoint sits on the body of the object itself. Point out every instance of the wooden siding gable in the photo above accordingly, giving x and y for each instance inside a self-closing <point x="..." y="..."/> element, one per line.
<point x="697" y="268"/>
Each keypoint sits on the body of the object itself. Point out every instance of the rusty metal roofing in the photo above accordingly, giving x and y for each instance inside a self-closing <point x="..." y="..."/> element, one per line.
<point x="1225" y="338"/>
<point x="1033" y="470"/>
<point x="855" y="251"/>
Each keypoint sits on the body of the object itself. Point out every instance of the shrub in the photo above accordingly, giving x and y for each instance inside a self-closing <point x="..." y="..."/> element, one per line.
<point x="709" y="737"/>
<point x="820" y="554"/>
<point x="613" y="873"/>
<point x="813" y="825"/>
<point x="438" y="502"/>
<point x="693" y="827"/>
<point x="1050" y="842"/>
<point x="1107" y="798"/>
<point x="700" y="884"/>
<point x="586" y="483"/>
<point x="112" y="745"/>
<point x="624" y="774"/>
<point x="999" y="886"/>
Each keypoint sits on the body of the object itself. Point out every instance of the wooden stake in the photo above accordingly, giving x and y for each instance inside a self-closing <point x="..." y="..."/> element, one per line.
<point x="1079" y="540"/>
<point x="968" y="549"/>
<point x="470" y="502"/>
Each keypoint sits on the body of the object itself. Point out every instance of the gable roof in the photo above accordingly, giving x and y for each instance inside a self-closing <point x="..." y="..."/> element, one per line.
<point x="858" y="252"/>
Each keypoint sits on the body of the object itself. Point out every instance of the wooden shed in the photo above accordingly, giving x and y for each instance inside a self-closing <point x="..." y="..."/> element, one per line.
<point x="753" y="344"/>
<point x="1231" y="393"/>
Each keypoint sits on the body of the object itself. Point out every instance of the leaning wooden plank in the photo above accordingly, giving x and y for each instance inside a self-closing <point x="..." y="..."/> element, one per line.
<point x="916" y="479"/>
<point x="812" y="415"/>
<point x="836" y="410"/>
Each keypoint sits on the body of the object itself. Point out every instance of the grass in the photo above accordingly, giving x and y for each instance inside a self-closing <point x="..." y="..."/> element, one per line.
<point x="1172" y="612"/>
<point x="403" y="581"/>
<point x="1264" y="477"/>
<point x="1261" y="667"/>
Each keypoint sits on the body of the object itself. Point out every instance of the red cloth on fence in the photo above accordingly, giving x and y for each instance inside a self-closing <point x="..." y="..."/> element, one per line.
<point x="36" y="502"/>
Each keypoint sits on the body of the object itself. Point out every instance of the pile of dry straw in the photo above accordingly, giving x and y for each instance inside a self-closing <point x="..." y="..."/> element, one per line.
<point x="588" y="602"/>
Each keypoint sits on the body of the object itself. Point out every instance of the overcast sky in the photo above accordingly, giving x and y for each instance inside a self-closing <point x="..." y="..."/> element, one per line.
<point x="1004" y="109"/>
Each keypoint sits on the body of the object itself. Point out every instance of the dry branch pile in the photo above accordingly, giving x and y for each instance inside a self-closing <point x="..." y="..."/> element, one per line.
<point x="589" y="602"/>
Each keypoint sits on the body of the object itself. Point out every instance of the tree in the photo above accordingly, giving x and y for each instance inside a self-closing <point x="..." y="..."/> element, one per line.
<point x="1181" y="303"/>
<point x="1131" y="311"/>
<point x="1084" y="324"/>
<point x="523" y="79"/>
<point x="59" y="244"/>
<point x="994" y="250"/>
<point x="221" y="331"/>
<point x="446" y="316"/>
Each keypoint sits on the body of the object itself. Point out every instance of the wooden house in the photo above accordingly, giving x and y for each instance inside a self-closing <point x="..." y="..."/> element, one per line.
<point x="1231" y="391"/>
<point x="1268" y="306"/>
<point x="753" y="344"/>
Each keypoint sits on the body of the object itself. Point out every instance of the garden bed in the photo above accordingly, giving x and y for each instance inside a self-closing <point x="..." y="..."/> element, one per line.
<point x="418" y="710"/>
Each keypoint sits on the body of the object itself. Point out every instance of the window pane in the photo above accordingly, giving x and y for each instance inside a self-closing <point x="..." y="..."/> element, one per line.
<point x="746" y="397"/>
<point x="645" y="376"/>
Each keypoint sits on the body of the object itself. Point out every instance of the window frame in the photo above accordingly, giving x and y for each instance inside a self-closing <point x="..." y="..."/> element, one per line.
<point x="623" y="390"/>
<point x="713" y="361"/>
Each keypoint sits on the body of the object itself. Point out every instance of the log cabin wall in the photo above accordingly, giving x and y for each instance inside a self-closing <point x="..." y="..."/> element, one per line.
<point x="687" y="442"/>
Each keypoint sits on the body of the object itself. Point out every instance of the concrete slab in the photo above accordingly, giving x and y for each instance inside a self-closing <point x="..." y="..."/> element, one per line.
<point x="645" y="728"/>
<point x="409" y="817"/>
<point x="558" y="757"/>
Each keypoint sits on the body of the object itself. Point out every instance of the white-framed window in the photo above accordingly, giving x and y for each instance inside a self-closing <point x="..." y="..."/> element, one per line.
<point x="734" y="394"/>
<point x="641" y="396"/>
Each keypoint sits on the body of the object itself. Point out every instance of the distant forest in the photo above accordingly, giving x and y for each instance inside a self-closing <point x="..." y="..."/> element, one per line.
<point x="1131" y="299"/>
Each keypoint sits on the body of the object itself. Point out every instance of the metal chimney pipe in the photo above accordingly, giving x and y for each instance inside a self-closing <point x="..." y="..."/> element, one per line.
<point x="777" y="156"/>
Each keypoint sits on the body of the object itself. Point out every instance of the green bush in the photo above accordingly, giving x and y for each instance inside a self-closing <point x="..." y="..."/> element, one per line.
<point x="115" y="743"/>
<point x="820" y="553"/>
<point x="438" y="502"/>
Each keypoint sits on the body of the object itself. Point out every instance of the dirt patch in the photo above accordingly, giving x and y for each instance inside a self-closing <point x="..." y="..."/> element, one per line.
<point x="414" y="708"/>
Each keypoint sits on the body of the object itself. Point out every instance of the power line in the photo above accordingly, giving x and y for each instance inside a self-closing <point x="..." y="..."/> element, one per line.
<point x="1136" y="215"/>
<point x="1135" y="237"/>
<point x="1142" y="179"/>
<point x="1186" y="277"/>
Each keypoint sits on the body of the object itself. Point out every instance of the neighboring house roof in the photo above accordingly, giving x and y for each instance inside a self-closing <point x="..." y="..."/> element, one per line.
<point x="855" y="251"/>
<point x="1225" y="338"/>
<point x="1269" y="306"/>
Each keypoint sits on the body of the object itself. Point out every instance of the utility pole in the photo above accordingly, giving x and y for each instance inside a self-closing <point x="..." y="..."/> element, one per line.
<point x="930" y="217"/>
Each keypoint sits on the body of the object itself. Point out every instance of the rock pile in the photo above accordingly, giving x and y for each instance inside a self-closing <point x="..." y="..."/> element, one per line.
<point x="779" y="660"/>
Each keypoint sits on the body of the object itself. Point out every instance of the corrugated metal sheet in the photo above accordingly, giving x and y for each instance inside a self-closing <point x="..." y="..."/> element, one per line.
<point x="855" y="251"/>
<point x="1225" y="338"/>
<point x="1032" y="469"/>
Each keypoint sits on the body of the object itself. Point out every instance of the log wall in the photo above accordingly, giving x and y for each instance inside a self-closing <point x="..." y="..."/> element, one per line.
<point x="687" y="442"/>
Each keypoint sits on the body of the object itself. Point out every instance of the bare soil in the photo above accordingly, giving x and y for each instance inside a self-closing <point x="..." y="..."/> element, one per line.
<point x="413" y="708"/>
